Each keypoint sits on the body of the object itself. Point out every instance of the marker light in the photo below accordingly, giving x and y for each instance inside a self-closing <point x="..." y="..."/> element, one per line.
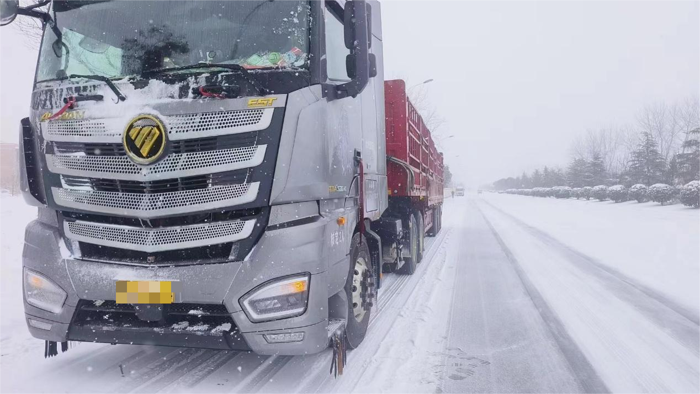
<point x="279" y="299"/>
<point x="281" y="338"/>
<point x="43" y="293"/>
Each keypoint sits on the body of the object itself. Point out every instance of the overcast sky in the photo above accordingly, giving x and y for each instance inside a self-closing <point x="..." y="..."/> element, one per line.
<point x="515" y="81"/>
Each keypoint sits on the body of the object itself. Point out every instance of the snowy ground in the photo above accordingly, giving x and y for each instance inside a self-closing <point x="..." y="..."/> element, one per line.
<point x="516" y="294"/>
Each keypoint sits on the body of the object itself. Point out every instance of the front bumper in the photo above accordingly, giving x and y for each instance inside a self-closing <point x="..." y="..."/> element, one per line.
<point x="279" y="253"/>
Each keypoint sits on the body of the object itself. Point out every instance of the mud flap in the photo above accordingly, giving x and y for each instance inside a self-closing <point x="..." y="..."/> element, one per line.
<point x="337" y="341"/>
<point x="51" y="348"/>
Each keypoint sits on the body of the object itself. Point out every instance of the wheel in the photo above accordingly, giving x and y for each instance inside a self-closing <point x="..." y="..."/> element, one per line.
<point x="359" y="288"/>
<point x="439" y="219"/>
<point x="433" y="230"/>
<point x="409" y="266"/>
<point x="421" y="235"/>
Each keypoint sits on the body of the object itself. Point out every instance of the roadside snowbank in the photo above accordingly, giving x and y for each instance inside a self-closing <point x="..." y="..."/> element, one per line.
<point x="657" y="245"/>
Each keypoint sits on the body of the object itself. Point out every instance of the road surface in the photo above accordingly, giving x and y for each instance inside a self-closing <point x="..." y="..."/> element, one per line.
<point x="497" y="305"/>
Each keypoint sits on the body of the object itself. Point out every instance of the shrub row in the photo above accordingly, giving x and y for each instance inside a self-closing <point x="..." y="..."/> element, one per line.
<point x="688" y="194"/>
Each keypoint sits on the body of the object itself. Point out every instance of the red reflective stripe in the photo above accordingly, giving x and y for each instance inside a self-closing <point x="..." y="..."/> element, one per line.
<point x="204" y="93"/>
<point x="69" y="105"/>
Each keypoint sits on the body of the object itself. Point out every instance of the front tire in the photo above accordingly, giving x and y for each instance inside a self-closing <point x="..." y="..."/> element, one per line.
<point x="359" y="288"/>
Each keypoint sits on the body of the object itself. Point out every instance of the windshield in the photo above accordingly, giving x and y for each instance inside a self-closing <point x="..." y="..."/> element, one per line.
<point x="123" y="38"/>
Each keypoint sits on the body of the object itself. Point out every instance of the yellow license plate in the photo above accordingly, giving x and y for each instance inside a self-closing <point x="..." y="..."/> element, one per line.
<point x="144" y="292"/>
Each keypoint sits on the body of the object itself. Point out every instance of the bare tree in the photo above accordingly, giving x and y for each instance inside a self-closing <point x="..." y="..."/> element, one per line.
<point x="419" y="97"/>
<point x="30" y="28"/>
<point x="665" y="124"/>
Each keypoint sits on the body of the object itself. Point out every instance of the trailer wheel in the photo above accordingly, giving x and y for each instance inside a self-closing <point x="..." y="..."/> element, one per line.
<point x="433" y="230"/>
<point x="359" y="288"/>
<point x="409" y="266"/>
<point x="439" y="219"/>
<point x="421" y="235"/>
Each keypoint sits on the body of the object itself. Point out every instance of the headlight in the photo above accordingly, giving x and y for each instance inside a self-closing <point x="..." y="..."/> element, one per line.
<point x="279" y="299"/>
<point x="43" y="293"/>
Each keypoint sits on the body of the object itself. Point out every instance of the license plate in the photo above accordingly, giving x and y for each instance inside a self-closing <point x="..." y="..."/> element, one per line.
<point x="144" y="292"/>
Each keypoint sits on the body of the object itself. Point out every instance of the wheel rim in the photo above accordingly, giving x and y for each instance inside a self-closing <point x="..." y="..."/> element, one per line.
<point x="359" y="288"/>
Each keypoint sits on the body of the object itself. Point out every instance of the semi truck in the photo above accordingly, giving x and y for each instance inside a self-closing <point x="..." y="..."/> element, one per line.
<point x="229" y="175"/>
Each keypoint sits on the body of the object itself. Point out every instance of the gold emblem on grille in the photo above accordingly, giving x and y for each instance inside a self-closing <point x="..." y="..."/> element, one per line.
<point x="144" y="139"/>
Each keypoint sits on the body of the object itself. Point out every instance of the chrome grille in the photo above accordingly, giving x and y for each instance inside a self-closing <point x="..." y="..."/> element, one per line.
<point x="158" y="239"/>
<point x="213" y="120"/>
<point x="70" y="130"/>
<point x="156" y="204"/>
<point x="182" y="164"/>
<point x="209" y="124"/>
<point x="180" y="126"/>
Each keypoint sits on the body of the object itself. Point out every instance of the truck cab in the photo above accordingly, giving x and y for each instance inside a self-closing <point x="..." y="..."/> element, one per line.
<point x="211" y="174"/>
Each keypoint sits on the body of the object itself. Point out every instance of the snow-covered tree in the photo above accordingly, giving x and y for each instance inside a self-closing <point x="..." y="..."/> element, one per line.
<point x="595" y="171"/>
<point x="690" y="194"/>
<point x="600" y="192"/>
<point x="576" y="172"/>
<point x="587" y="192"/>
<point x="617" y="193"/>
<point x="638" y="192"/>
<point x="661" y="193"/>
<point x="689" y="158"/>
<point x="646" y="165"/>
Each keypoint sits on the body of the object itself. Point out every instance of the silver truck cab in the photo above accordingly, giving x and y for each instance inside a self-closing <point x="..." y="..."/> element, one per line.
<point x="214" y="149"/>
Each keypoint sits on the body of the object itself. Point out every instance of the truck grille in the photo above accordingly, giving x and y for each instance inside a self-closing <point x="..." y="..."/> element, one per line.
<point x="156" y="204"/>
<point x="202" y="202"/>
<point x="160" y="186"/>
<point x="158" y="239"/>
<point x="201" y="122"/>
<point x="180" y="126"/>
<point x="234" y="141"/>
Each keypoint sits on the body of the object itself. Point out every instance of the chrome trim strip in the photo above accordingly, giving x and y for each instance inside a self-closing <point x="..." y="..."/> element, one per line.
<point x="158" y="239"/>
<point x="156" y="204"/>
<point x="175" y="165"/>
<point x="111" y="130"/>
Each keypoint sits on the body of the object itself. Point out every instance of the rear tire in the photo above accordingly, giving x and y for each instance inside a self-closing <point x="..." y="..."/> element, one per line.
<point x="421" y="235"/>
<point x="359" y="289"/>
<point x="439" y="219"/>
<point x="433" y="230"/>
<point x="409" y="266"/>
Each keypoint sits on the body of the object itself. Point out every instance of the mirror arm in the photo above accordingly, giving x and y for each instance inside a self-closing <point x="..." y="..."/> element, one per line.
<point x="37" y="5"/>
<point x="31" y="12"/>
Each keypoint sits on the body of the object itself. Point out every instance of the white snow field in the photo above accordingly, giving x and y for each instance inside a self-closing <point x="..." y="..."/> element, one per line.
<point x="516" y="294"/>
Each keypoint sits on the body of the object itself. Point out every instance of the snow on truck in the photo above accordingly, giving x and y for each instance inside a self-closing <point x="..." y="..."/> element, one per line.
<point x="218" y="174"/>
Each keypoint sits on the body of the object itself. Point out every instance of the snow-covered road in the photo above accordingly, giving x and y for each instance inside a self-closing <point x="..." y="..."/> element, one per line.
<point x="516" y="294"/>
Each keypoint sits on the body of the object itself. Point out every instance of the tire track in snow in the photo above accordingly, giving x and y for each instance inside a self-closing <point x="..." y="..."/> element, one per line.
<point x="204" y="370"/>
<point x="157" y="368"/>
<point x="673" y="318"/>
<point x="384" y="321"/>
<point x="318" y="379"/>
<point x="584" y="371"/>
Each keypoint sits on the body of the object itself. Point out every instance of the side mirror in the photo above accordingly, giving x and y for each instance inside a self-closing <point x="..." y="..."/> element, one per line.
<point x="359" y="63"/>
<point x="8" y="11"/>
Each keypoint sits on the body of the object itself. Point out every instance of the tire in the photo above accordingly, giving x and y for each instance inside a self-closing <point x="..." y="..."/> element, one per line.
<point x="421" y="235"/>
<point x="409" y="266"/>
<point x="355" y="285"/>
<point x="433" y="229"/>
<point x="439" y="219"/>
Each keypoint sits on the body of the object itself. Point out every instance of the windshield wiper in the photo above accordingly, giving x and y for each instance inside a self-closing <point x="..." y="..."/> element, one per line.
<point x="232" y="67"/>
<point x="106" y="80"/>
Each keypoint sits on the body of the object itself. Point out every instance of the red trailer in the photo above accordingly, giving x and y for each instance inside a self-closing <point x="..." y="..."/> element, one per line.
<point x="414" y="165"/>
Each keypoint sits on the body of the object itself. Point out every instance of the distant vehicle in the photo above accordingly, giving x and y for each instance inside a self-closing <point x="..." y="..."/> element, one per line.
<point x="479" y="191"/>
<point x="459" y="192"/>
